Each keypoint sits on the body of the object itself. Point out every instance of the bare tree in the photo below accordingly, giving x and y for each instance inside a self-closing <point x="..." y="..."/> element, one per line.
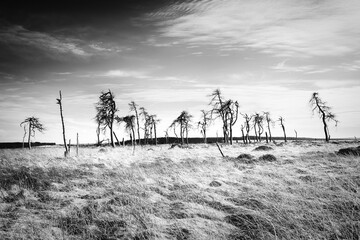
<point x="282" y="120"/>
<point x="242" y="133"/>
<point x="258" y="121"/>
<point x="153" y="123"/>
<point x="173" y="126"/>
<point x="145" y="116"/>
<point x="217" y="102"/>
<point x="323" y="110"/>
<point x="268" y="122"/>
<point x="59" y="101"/>
<point x="33" y="124"/>
<point x="129" y="126"/>
<point x="204" y="123"/>
<point x="247" y="119"/>
<point x="106" y="109"/>
<point x="133" y="107"/>
<point x="231" y="111"/>
<point x="183" y="120"/>
<point x="98" y="133"/>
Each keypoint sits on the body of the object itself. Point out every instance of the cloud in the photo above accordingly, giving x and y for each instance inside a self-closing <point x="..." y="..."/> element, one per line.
<point x="124" y="73"/>
<point x="35" y="45"/>
<point x="352" y="66"/>
<point x="282" y="28"/>
<point x="307" y="69"/>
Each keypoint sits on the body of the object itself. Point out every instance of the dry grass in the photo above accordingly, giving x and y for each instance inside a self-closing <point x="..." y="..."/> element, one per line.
<point x="300" y="190"/>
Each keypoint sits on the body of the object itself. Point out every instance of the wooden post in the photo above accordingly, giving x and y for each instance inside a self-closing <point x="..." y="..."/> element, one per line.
<point x="117" y="140"/>
<point x="62" y="122"/>
<point x="77" y="144"/>
<point x="267" y="139"/>
<point x="69" y="145"/>
<point x="222" y="154"/>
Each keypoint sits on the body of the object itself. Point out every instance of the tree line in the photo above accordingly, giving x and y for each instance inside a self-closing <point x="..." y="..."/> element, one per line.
<point x="226" y="110"/>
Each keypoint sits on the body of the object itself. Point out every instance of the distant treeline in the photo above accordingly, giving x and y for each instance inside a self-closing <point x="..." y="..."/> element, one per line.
<point x="20" y="144"/>
<point x="172" y="140"/>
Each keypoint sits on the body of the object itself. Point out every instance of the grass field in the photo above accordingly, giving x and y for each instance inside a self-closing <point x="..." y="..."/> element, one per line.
<point x="307" y="192"/>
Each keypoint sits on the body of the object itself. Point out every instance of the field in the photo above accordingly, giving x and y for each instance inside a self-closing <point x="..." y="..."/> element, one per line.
<point x="305" y="192"/>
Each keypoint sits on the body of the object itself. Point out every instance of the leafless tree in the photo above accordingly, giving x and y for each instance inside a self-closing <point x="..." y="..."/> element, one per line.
<point x="129" y="126"/>
<point x="319" y="106"/>
<point x="59" y="101"/>
<point x="133" y="107"/>
<point x="33" y="124"/>
<point x="183" y="120"/>
<point x="242" y="133"/>
<point x="247" y="119"/>
<point x="268" y="122"/>
<point x="258" y="122"/>
<point x="145" y="117"/>
<point x="204" y="123"/>
<point x="106" y="110"/>
<point x="153" y="121"/>
<point x="282" y="120"/>
<point x="217" y="102"/>
<point x="231" y="111"/>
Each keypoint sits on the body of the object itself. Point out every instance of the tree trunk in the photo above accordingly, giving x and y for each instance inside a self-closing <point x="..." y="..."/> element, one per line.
<point x="182" y="134"/>
<point x="243" y="137"/>
<point x="284" y="132"/>
<point x="155" y="134"/>
<point x="29" y="140"/>
<point x="205" y="140"/>
<point x="98" y="135"/>
<point x="267" y="139"/>
<point x="325" y="127"/>
<point x="231" y="135"/>
<point x="111" y="136"/>
<point x="133" y="133"/>
<point x="256" y="136"/>
<point x="117" y="140"/>
<point x="138" y="125"/>
<point x="62" y="122"/>
<point x="269" y="133"/>
<point x="77" y="144"/>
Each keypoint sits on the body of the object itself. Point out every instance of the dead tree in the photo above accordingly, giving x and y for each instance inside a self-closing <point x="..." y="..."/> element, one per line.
<point x="217" y="102"/>
<point x="324" y="113"/>
<point x="282" y="120"/>
<point x="231" y="111"/>
<point x="133" y="107"/>
<point x="183" y="120"/>
<point x="258" y="121"/>
<point x="247" y="119"/>
<point x="59" y="101"/>
<point x="204" y="123"/>
<point x="153" y="121"/>
<point x="106" y="110"/>
<point x="33" y="124"/>
<point x="242" y="134"/>
<point x="145" y="116"/>
<point x="129" y="126"/>
<point x="269" y="121"/>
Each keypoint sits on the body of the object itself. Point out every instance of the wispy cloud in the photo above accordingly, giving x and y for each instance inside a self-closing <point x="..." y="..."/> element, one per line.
<point x="282" y="28"/>
<point x="307" y="69"/>
<point x="124" y="73"/>
<point x="352" y="66"/>
<point x="32" y="45"/>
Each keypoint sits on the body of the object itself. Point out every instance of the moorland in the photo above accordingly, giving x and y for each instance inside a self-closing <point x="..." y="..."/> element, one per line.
<point x="297" y="190"/>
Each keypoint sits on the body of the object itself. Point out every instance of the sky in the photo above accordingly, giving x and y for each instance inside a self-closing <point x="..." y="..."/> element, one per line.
<point x="169" y="56"/>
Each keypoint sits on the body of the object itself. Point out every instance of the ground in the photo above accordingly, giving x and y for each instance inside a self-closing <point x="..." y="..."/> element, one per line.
<point x="297" y="190"/>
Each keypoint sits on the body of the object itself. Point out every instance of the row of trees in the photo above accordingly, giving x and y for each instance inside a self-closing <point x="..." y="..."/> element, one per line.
<point x="226" y="110"/>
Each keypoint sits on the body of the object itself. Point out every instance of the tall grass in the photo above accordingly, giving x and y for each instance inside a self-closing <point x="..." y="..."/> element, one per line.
<point x="304" y="191"/>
